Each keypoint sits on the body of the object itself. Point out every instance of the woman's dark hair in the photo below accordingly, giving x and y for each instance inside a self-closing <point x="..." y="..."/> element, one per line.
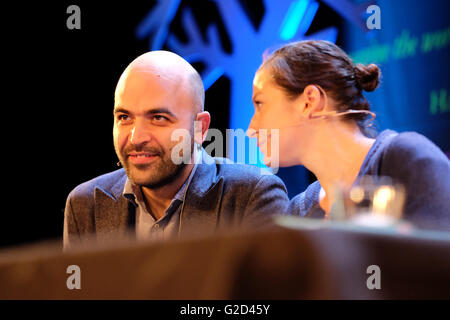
<point x="298" y="64"/>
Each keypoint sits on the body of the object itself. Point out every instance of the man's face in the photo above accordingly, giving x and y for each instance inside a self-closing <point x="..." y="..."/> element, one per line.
<point x="147" y="109"/>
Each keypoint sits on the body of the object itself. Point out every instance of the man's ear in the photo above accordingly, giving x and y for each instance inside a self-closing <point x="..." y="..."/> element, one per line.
<point x="203" y="120"/>
<point x="313" y="101"/>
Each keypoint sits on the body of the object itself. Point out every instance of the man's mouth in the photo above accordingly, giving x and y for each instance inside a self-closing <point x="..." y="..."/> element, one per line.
<point x="142" y="157"/>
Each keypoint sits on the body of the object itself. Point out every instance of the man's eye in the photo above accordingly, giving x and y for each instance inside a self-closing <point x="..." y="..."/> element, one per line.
<point x="159" y="118"/>
<point x="123" y="117"/>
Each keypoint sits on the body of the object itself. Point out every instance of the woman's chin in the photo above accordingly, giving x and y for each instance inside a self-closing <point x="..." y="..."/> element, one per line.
<point x="268" y="163"/>
<point x="271" y="163"/>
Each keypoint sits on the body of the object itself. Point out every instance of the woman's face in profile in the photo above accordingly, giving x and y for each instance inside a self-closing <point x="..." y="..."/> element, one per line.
<point x="274" y="110"/>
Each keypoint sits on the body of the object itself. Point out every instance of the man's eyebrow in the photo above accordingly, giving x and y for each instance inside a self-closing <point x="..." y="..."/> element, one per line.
<point x="160" y="110"/>
<point x="121" y="110"/>
<point x="153" y="111"/>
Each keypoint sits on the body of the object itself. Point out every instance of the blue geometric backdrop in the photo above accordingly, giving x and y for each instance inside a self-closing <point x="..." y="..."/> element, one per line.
<point x="412" y="49"/>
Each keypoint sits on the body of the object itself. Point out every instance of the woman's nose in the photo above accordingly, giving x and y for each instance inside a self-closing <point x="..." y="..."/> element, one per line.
<point x="252" y="128"/>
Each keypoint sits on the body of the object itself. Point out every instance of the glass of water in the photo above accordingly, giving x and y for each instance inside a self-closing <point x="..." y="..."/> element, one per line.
<point x="375" y="201"/>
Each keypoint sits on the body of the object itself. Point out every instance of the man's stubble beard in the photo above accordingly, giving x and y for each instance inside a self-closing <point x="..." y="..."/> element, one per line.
<point x="163" y="170"/>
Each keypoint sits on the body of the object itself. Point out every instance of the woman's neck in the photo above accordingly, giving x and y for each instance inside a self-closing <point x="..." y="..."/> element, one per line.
<point x="339" y="153"/>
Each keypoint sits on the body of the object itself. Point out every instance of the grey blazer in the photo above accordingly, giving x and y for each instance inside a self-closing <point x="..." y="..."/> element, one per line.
<point x="221" y="194"/>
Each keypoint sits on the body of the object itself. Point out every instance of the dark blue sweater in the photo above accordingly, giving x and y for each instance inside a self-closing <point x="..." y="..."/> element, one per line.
<point x="411" y="159"/>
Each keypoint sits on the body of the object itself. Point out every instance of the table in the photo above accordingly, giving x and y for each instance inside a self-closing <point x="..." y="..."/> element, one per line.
<point x="292" y="260"/>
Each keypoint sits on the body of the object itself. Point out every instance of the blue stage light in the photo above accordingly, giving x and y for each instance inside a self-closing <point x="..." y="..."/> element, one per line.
<point x="293" y="18"/>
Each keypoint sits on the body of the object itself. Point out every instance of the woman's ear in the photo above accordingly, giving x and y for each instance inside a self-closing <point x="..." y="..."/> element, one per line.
<point x="313" y="101"/>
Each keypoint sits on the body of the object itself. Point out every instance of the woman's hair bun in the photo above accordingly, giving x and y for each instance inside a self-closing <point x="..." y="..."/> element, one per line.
<point x="367" y="77"/>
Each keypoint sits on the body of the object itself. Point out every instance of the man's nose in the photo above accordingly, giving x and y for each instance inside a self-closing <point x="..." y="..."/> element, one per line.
<point x="140" y="134"/>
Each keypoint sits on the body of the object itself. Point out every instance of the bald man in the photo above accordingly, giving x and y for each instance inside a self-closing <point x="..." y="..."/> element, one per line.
<point x="155" y="196"/>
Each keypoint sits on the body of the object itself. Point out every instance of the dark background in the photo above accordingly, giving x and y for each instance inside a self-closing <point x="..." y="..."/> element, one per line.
<point x="59" y="97"/>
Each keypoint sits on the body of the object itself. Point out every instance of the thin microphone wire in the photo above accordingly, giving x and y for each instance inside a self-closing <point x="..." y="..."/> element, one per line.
<point x="332" y="114"/>
<point x="335" y="113"/>
<point x="328" y="115"/>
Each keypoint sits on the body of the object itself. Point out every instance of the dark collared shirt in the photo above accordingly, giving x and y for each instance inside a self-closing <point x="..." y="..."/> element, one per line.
<point x="147" y="228"/>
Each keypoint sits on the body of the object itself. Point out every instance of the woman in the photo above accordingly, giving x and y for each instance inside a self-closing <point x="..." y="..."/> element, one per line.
<point x="312" y="92"/>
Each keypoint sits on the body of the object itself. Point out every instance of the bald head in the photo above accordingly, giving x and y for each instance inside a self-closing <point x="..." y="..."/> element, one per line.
<point x="168" y="68"/>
